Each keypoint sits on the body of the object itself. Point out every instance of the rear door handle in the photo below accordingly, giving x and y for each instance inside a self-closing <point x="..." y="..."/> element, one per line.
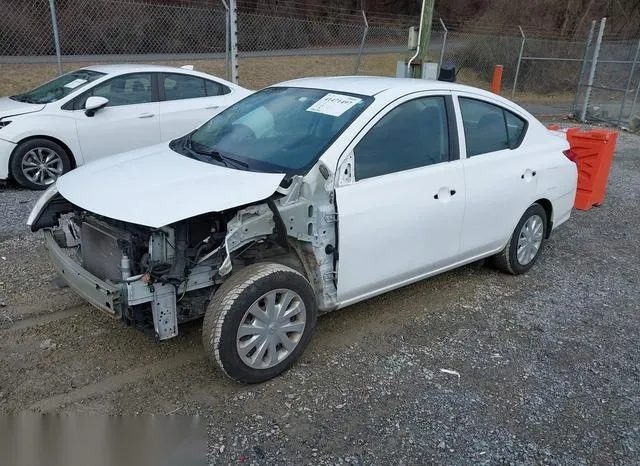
<point x="533" y="173"/>
<point x="451" y="192"/>
<point x="212" y="107"/>
<point x="146" y="115"/>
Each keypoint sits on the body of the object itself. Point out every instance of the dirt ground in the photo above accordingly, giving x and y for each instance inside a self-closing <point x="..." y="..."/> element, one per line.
<point x="548" y="362"/>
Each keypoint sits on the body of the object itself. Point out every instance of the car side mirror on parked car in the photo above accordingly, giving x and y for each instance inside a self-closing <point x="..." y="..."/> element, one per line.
<point x="93" y="104"/>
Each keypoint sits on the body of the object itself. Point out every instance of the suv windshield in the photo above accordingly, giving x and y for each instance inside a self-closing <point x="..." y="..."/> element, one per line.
<point x="278" y="129"/>
<point x="59" y="87"/>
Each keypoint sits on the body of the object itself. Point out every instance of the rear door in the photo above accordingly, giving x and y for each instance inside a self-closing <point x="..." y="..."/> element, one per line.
<point x="400" y="198"/>
<point x="129" y="121"/>
<point x="188" y="101"/>
<point x="500" y="173"/>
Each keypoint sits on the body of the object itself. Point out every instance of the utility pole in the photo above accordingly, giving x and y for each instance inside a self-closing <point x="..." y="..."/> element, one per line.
<point x="427" y="17"/>
<point x="422" y="53"/>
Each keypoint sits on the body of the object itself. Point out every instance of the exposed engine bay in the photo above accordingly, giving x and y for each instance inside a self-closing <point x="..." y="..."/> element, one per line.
<point x="158" y="278"/>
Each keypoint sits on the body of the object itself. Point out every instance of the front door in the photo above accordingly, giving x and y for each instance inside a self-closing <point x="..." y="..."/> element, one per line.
<point x="401" y="210"/>
<point x="129" y="121"/>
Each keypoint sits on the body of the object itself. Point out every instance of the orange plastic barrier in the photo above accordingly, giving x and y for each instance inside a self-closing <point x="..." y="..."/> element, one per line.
<point x="593" y="151"/>
<point x="496" y="82"/>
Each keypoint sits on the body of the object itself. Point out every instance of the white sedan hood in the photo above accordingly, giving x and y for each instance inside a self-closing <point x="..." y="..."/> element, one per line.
<point x="10" y="107"/>
<point x="156" y="186"/>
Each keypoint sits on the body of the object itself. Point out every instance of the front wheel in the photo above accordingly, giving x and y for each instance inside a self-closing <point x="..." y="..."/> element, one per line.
<point x="259" y="322"/>
<point x="525" y="244"/>
<point x="37" y="163"/>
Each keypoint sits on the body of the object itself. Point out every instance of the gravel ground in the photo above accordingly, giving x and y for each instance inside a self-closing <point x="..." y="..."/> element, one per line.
<point x="548" y="362"/>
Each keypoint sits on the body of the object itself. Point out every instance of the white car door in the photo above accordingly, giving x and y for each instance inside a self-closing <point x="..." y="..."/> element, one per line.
<point x="500" y="174"/>
<point x="129" y="121"/>
<point x="401" y="202"/>
<point x="187" y="101"/>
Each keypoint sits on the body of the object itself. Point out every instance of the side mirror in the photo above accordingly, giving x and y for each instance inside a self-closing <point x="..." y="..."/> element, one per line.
<point x="93" y="104"/>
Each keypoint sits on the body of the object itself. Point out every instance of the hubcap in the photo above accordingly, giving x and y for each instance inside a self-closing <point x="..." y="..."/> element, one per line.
<point x="42" y="166"/>
<point x="530" y="239"/>
<point x="271" y="329"/>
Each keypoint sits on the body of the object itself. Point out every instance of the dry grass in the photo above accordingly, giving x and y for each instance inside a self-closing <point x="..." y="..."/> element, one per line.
<point x="256" y="73"/>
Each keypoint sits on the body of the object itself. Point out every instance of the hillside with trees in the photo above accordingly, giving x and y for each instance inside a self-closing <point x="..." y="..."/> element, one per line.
<point x="564" y="18"/>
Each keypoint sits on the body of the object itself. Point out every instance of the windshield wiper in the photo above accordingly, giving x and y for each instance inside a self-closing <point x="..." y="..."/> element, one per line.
<point x="225" y="160"/>
<point x="22" y="98"/>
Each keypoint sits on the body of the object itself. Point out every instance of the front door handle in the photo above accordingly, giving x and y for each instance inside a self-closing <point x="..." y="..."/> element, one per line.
<point x="145" y="115"/>
<point x="212" y="107"/>
<point x="451" y="193"/>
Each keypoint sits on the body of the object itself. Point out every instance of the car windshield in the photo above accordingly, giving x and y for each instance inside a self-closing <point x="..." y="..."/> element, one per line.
<point x="59" y="87"/>
<point x="277" y="129"/>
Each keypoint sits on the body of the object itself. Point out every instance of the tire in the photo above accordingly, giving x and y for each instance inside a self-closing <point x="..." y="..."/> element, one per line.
<point x="26" y="156"/>
<point x="240" y="357"/>
<point x="508" y="260"/>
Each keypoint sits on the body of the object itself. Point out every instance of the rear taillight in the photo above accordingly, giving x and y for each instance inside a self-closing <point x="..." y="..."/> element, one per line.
<point x="571" y="155"/>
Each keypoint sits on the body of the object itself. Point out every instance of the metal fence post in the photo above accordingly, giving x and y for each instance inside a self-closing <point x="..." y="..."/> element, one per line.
<point x="626" y="89"/>
<point x="233" y="40"/>
<point x="364" y="37"/>
<point x="583" y="68"/>
<point x="444" y="43"/>
<point x="635" y="99"/>
<point x="515" y="78"/>
<point x="592" y="72"/>
<point x="226" y="39"/>
<point x="56" y="37"/>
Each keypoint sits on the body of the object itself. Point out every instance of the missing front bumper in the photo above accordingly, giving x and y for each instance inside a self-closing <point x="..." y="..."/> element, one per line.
<point x="97" y="292"/>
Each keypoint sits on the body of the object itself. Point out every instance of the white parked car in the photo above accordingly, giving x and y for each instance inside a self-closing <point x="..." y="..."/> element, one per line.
<point x="97" y="111"/>
<point x="303" y="198"/>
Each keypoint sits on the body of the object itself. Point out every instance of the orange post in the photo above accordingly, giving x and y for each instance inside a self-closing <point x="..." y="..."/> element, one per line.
<point x="496" y="83"/>
<point x="593" y="155"/>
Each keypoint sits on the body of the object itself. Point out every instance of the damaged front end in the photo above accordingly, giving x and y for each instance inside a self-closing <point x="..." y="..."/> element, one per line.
<point x="158" y="278"/>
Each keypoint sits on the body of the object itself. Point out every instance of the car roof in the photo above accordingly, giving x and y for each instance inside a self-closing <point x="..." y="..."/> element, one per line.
<point x="113" y="68"/>
<point x="378" y="85"/>
<point x="120" y="68"/>
<point x="372" y="85"/>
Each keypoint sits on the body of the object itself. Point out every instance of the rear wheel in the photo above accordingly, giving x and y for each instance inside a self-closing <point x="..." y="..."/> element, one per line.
<point x="259" y="322"/>
<point x="37" y="163"/>
<point x="525" y="244"/>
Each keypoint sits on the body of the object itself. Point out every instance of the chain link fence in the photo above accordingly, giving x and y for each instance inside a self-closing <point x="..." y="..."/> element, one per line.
<point x="25" y="28"/>
<point x="597" y="80"/>
<point x="613" y="96"/>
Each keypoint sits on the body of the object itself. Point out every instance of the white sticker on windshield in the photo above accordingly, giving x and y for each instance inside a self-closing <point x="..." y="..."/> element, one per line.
<point x="334" y="104"/>
<point x="75" y="83"/>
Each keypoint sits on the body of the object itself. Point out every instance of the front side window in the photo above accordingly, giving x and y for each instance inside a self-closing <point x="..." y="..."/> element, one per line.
<point x="278" y="129"/>
<point x="59" y="87"/>
<point x="182" y="86"/>
<point x="124" y="90"/>
<point x="412" y="135"/>
<point x="489" y="128"/>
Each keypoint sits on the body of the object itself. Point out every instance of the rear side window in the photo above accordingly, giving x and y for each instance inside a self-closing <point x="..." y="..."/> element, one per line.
<point x="182" y="86"/>
<point x="489" y="128"/>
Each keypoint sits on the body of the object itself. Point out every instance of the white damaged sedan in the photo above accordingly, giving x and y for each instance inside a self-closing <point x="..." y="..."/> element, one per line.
<point x="303" y="198"/>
